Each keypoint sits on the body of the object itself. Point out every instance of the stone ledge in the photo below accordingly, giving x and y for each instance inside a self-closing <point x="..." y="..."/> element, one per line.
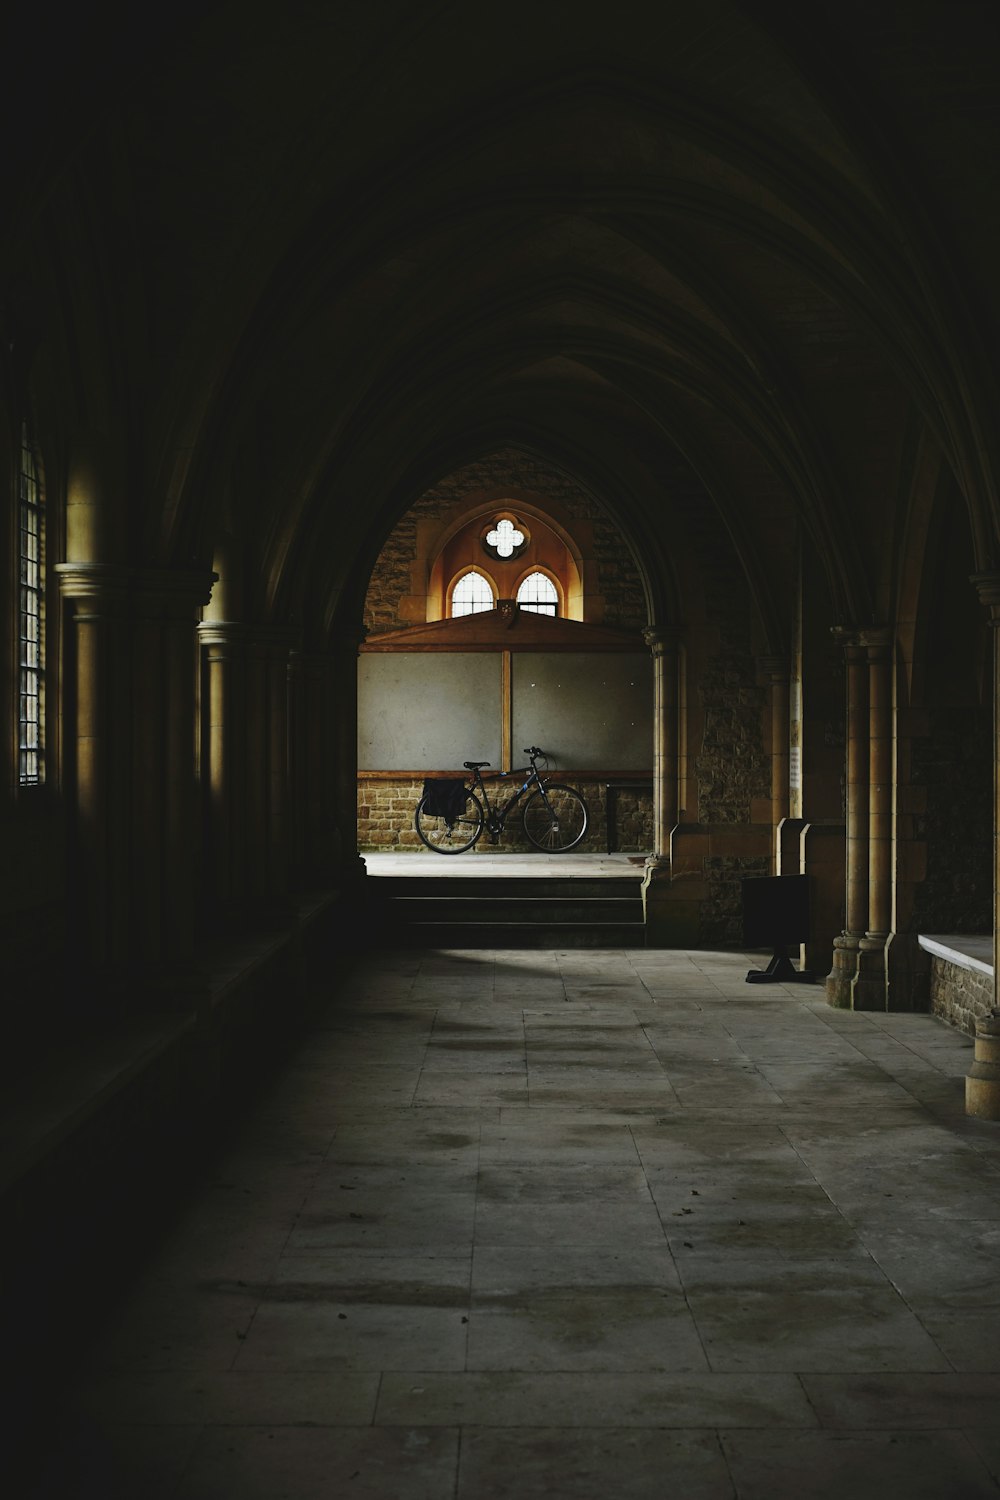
<point x="965" y="951"/>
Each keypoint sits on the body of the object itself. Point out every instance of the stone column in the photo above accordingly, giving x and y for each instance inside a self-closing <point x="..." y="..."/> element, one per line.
<point x="870" y="988"/>
<point x="343" y="769"/>
<point x="774" y="670"/>
<point x="135" y="791"/>
<point x="308" y="752"/>
<point x="846" y="946"/>
<point x="663" y="642"/>
<point x="223" y="760"/>
<point x="988" y="588"/>
<point x="98" y="763"/>
<point x="268" y="650"/>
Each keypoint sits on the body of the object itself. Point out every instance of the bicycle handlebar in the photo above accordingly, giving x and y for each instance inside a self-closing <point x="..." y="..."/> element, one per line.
<point x="532" y="750"/>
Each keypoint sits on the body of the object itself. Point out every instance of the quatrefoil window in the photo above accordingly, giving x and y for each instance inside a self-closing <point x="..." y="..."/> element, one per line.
<point x="504" y="540"/>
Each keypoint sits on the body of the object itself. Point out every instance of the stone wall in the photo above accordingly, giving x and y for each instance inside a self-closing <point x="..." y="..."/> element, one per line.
<point x="722" y="908"/>
<point x="386" y="809"/>
<point x="959" y="995"/>
<point x="618" y="579"/>
<point x="732" y="765"/>
<point x="954" y="762"/>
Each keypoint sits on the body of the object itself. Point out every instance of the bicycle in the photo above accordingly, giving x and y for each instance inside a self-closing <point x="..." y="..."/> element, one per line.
<point x="554" y="817"/>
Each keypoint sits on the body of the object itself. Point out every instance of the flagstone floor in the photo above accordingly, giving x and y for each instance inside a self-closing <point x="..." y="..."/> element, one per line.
<point x="579" y="1225"/>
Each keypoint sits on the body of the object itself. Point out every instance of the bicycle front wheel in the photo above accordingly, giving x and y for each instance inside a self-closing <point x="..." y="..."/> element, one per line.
<point x="555" y="818"/>
<point x="450" y="838"/>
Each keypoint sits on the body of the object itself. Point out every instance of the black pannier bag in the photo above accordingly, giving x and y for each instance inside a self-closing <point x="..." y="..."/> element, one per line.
<point x="445" y="797"/>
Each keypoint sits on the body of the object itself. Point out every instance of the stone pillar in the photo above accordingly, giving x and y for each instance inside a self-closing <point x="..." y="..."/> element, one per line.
<point x="268" y="651"/>
<point x="308" y="753"/>
<point x="988" y="587"/>
<point x="343" y="769"/>
<point x="223" y="762"/>
<point x="133" y="759"/>
<point x="774" y="670"/>
<point x="870" y="986"/>
<point x="663" y="642"/>
<point x="846" y="946"/>
<point x="98" y="710"/>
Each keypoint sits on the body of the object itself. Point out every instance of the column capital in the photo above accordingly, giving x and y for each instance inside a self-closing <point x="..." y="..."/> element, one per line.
<point x="174" y="592"/>
<point x="876" y="639"/>
<point x="221" y="633"/>
<point x="870" y="638"/>
<point x="845" y="635"/>
<point x="987" y="586"/>
<point x="662" y="639"/>
<point x="775" y="668"/>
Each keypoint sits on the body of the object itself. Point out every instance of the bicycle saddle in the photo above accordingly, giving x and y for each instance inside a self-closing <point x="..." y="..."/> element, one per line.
<point x="474" y="765"/>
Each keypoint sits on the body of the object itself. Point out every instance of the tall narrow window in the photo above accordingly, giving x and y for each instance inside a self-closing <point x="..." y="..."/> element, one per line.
<point x="32" y="617"/>
<point x="538" y="592"/>
<point x="471" y="594"/>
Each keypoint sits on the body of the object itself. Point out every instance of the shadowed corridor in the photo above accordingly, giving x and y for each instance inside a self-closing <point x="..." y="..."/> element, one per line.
<point x="573" y="1224"/>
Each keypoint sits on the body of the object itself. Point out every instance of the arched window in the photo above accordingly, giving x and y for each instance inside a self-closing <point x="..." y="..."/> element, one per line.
<point x="31" y="618"/>
<point x="539" y="593"/>
<point x="471" y="594"/>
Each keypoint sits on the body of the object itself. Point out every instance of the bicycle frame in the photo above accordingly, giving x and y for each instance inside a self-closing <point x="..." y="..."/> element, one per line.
<point x="496" y="816"/>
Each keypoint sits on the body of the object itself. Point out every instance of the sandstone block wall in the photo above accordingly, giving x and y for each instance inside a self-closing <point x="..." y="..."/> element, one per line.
<point x="618" y="580"/>
<point x="959" y="995"/>
<point x="386" y="809"/>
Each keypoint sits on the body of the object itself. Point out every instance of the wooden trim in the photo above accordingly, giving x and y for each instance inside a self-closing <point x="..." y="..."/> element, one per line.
<point x="506" y="710"/>
<point x="506" y="630"/>
<point x="493" y="774"/>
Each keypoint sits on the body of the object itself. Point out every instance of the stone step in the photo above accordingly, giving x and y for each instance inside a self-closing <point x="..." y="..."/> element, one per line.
<point x="522" y="909"/>
<point x="492" y="886"/>
<point x="520" y="935"/>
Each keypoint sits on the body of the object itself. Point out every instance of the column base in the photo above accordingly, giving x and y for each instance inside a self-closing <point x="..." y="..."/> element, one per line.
<point x="671" y="910"/>
<point x="982" y="1085"/>
<point x="870" y="989"/>
<point x="841" y="977"/>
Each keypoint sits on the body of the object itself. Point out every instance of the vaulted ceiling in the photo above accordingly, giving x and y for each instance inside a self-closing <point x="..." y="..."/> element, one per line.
<point x="282" y="267"/>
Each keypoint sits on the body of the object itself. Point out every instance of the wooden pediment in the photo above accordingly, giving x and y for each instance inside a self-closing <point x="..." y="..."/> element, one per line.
<point x="507" y="628"/>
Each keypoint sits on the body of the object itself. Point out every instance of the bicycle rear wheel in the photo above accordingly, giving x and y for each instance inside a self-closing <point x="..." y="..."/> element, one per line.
<point x="450" y="838"/>
<point x="555" y="820"/>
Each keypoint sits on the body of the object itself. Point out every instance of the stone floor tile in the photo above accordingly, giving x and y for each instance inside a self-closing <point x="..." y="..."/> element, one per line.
<point x="521" y="1399"/>
<point x="589" y="1221"/>
<point x="437" y="1088"/>
<point x="863" y="1466"/>
<point x="366" y="1463"/>
<point x="508" y="1183"/>
<point x="502" y="1271"/>
<point x="898" y="1401"/>
<point x="629" y="1464"/>
<point x="987" y="1446"/>
<point x="681" y="1144"/>
<point x="233" y="1398"/>
<point x="557" y="1141"/>
<point x="176" y="1327"/>
<point x="625" y="1329"/>
<point x="350" y="1311"/>
<point x="371" y="1218"/>
<point x="817" y="1327"/>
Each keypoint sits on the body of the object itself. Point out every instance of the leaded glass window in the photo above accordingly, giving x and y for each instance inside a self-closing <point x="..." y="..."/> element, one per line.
<point x="31" y="549"/>
<point x="538" y="593"/>
<point x="471" y="594"/>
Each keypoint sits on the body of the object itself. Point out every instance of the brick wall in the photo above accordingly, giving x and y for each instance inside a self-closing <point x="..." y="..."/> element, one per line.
<point x="386" y="809"/>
